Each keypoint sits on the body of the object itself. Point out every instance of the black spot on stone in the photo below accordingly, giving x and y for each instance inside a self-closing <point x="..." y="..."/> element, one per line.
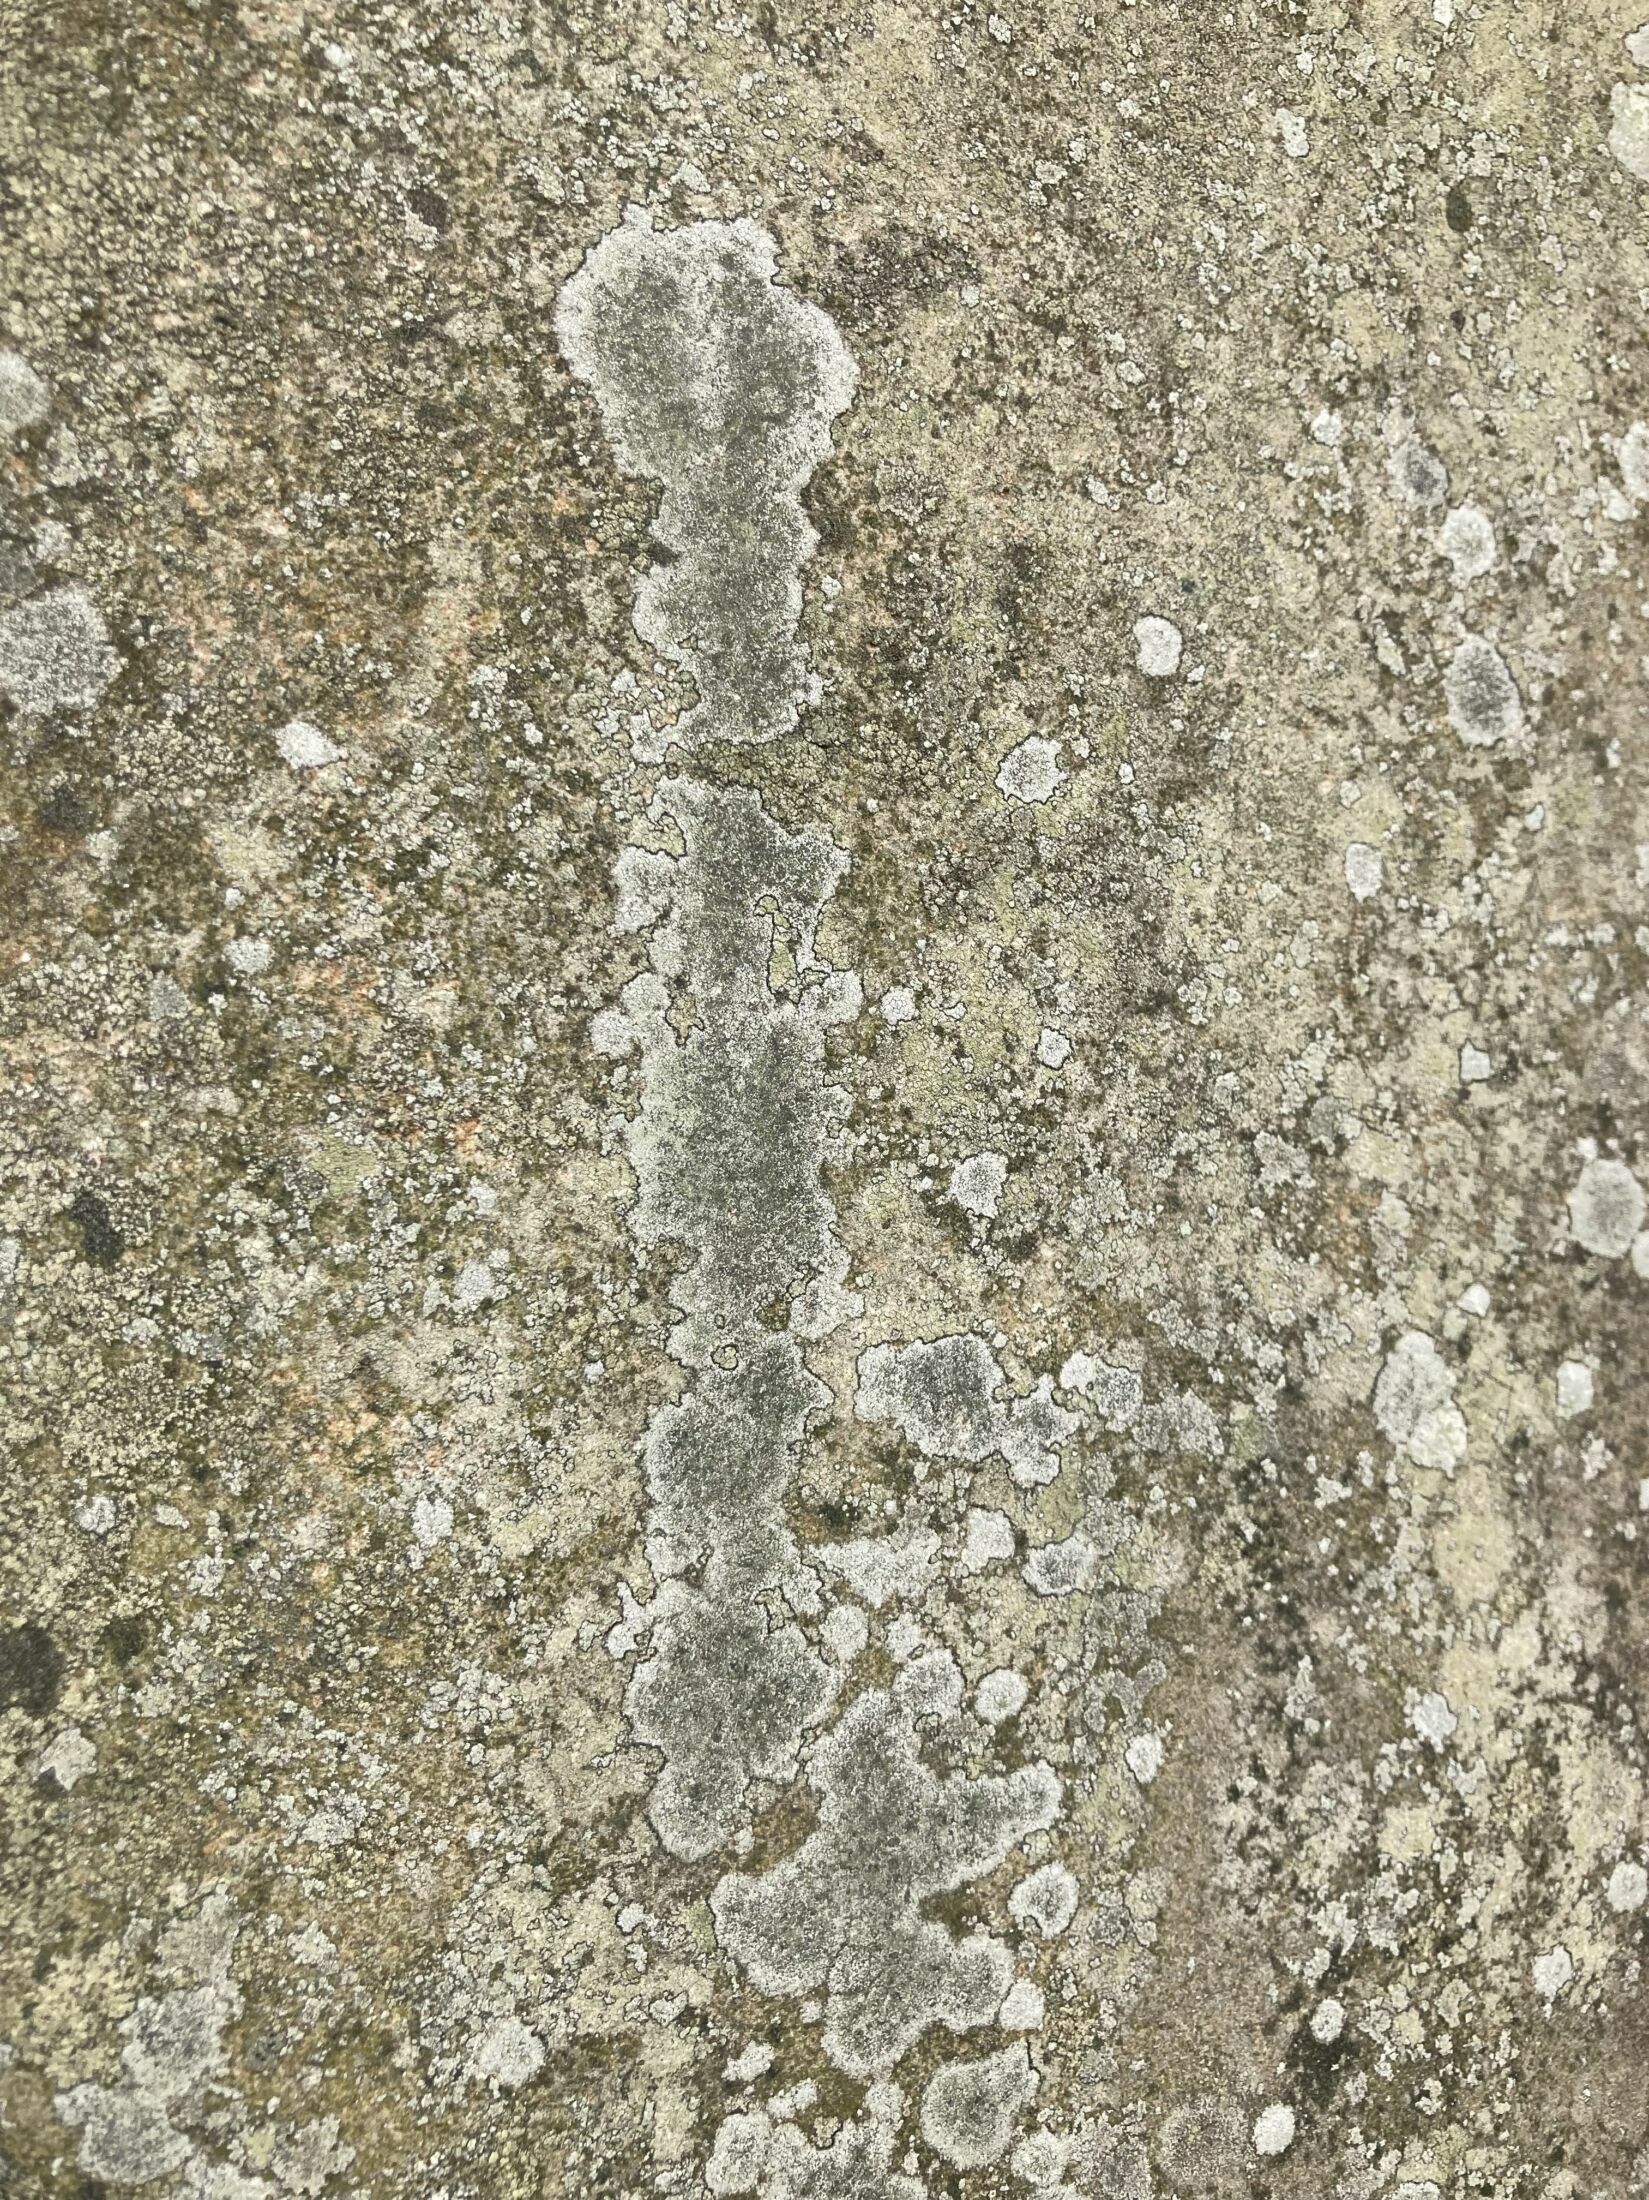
<point x="63" y="811"/>
<point x="429" y="206"/>
<point x="124" y="1637"/>
<point x="31" y="1670"/>
<point x="1457" y="210"/>
<point x="100" y="1241"/>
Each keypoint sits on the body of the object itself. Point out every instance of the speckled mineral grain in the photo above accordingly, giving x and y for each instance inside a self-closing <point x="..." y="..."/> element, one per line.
<point x="823" y="1237"/>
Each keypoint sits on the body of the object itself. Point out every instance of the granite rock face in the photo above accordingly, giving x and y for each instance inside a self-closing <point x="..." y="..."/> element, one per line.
<point x="824" y="1229"/>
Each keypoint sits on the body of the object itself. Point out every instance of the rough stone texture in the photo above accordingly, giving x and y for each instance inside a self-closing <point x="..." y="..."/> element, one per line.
<point x="823" y="1231"/>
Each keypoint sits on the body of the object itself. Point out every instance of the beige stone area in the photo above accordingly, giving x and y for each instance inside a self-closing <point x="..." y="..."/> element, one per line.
<point x="824" y="1177"/>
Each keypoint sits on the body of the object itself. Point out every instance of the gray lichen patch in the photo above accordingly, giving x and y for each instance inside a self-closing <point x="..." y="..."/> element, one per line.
<point x="1606" y="1207"/>
<point x="970" y="2108"/>
<point x="1485" y="707"/>
<point x="719" y="1465"/>
<point x="755" y="2154"/>
<point x="726" y="1695"/>
<point x="944" y="1398"/>
<point x="24" y="397"/>
<point x="727" y="1145"/>
<point x="722" y="385"/>
<point x="844" y="1914"/>
<point x="730" y="1133"/>
<point x="1415" y="1406"/>
<point x="55" y="652"/>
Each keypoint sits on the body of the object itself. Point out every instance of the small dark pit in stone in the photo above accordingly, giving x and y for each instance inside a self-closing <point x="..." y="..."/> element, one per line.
<point x="100" y="1241"/>
<point x="63" y="811"/>
<point x="1457" y="210"/>
<point x="429" y="206"/>
<point x="124" y="1637"/>
<point x="31" y="1670"/>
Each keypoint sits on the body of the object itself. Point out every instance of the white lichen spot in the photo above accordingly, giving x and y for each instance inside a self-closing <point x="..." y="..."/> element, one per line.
<point x="24" y="397"/>
<point x="334" y="1824"/>
<point x="1274" y="2129"/>
<point x="431" y="1521"/>
<point x="1001" y="1695"/>
<point x="1158" y="647"/>
<point x="988" y="1541"/>
<point x="54" y="652"/>
<point x="1553" y="1972"/>
<point x="1483" y="702"/>
<point x="969" y="2109"/>
<point x="739" y="2151"/>
<point x="1365" y="870"/>
<point x="1053" y="1049"/>
<point x="976" y="1184"/>
<point x="1574" y="1389"/>
<point x="69" y="1757"/>
<point x="764" y="2147"/>
<point x="1628" y="1887"/>
<point x="1632" y="456"/>
<point x="473" y="1287"/>
<point x="1291" y="128"/>
<point x="1476" y="1064"/>
<point x="845" y="1632"/>
<point x="1047" y="1899"/>
<point x="1061" y="1569"/>
<point x="130" y="2131"/>
<point x="127" y="2138"/>
<point x="751" y="2063"/>
<point x="1030" y="772"/>
<point x="1116" y="1393"/>
<point x="1024" y="2007"/>
<point x="1414" y="1404"/>
<point x="1466" y="539"/>
<point x="1606" y="1208"/>
<point x="1433" y="1718"/>
<point x="1144" y="1756"/>
<point x="1629" y="128"/>
<point x="1328" y="2021"/>
<point x="898" y="1006"/>
<point x="880" y="1568"/>
<point x="249" y="957"/>
<point x="95" y="1515"/>
<point x="1041" y="2161"/>
<point x="729" y="1688"/>
<point x="304" y="747"/>
<point x="508" y="2054"/>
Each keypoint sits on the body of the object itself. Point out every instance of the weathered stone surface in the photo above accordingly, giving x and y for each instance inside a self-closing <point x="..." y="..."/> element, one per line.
<point x="823" y="1241"/>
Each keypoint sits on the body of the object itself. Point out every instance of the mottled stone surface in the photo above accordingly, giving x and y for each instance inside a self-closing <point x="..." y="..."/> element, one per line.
<point x="824" y="1152"/>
